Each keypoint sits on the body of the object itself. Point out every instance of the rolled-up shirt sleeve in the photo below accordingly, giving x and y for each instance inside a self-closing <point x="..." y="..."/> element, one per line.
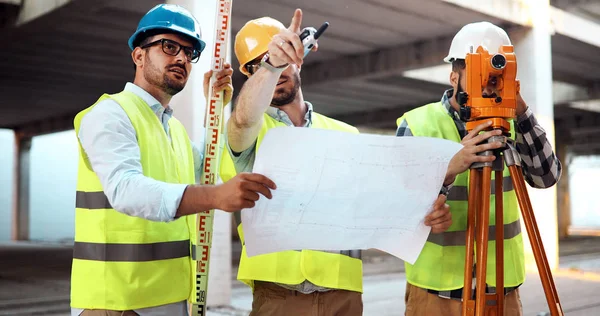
<point x="109" y="141"/>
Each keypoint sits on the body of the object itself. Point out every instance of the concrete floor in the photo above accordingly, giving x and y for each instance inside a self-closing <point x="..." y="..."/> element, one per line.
<point x="34" y="280"/>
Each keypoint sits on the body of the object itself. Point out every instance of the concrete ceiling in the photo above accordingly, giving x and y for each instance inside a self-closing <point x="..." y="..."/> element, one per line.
<point x="57" y="64"/>
<point x="588" y="9"/>
<point x="357" y="73"/>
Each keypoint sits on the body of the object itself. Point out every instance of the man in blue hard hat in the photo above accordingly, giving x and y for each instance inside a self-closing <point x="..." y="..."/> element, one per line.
<point x="136" y="180"/>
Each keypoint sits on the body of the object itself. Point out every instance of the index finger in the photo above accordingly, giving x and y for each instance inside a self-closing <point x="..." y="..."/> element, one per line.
<point x="296" y="21"/>
<point x="481" y="137"/>
<point x="259" y="178"/>
<point x="224" y="73"/>
<point x="478" y="129"/>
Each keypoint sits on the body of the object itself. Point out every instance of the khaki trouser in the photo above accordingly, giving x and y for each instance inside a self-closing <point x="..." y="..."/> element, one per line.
<point x="270" y="299"/>
<point x="103" y="312"/>
<point x="420" y="302"/>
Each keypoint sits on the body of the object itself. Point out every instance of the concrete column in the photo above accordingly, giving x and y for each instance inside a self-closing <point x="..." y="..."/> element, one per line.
<point x="189" y="107"/>
<point x="534" y="60"/>
<point x="20" y="215"/>
<point x="564" y="201"/>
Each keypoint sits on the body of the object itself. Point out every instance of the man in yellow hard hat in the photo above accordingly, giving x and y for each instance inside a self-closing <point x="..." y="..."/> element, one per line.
<point x="300" y="282"/>
<point x="136" y="180"/>
<point x="435" y="282"/>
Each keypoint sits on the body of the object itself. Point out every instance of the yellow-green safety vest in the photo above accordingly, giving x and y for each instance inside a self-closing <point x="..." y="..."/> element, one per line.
<point x="122" y="262"/>
<point x="441" y="264"/>
<point x="326" y="269"/>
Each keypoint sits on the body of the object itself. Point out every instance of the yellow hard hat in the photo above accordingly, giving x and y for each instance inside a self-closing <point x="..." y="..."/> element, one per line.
<point x="253" y="39"/>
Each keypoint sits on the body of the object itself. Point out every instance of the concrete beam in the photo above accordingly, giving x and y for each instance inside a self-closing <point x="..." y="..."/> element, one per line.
<point x="33" y="9"/>
<point x="523" y="12"/>
<point x="588" y="148"/>
<point x="568" y="77"/>
<point x="583" y="138"/>
<point x="12" y="2"/>
<point x="586" y="131"/>
<point x="565" y="93"/>
<point x="571" y="25"/>
<point x="565" y="4"/>
<point x="20" y="211"/>
<point x="387" y="61"/>
<point x="45" y="126"/>
<point x="514" y="11"/>
<point x="587" y="105"/>
<point x="571" y="118"/>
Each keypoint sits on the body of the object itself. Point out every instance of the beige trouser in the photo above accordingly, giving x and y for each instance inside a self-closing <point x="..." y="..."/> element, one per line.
<point x="420" y="302"/>
<point x="270" y="299"/>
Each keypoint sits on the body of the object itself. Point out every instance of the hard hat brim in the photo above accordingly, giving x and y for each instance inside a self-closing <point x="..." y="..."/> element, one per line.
<point x="135" y="38"/>
<point x="449" y="59"/>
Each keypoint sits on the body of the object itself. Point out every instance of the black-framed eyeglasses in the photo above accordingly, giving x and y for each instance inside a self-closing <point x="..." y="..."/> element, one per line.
<point x="173" y="48"/>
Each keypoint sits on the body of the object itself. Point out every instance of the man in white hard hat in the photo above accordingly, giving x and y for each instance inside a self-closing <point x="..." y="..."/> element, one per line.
<point x="435" y="282"/>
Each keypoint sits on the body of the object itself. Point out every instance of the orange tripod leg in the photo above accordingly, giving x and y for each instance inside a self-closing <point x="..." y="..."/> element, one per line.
<point x="483" y="220"/>
<point x="468" y="307"/>
<point x="536" y="241"/>
<point x="498" y="298"/>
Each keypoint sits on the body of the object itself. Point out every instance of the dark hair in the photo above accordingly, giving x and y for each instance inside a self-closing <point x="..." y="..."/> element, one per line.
<point x="144" y="38"/>
<point x="458" y="64"/>
<point x="143" y="42"/>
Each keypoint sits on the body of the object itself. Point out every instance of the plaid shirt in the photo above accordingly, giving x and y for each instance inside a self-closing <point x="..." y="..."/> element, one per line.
<point x="541" y="168"/>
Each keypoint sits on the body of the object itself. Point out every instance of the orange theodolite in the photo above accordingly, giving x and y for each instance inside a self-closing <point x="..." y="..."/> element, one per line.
<point x="498" y="71"/>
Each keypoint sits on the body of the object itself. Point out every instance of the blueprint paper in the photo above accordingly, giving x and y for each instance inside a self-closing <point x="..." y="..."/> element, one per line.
<point x="342" y="191"/>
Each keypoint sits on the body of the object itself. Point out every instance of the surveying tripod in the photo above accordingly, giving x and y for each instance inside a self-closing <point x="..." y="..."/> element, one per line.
<point x="478" y="227"/>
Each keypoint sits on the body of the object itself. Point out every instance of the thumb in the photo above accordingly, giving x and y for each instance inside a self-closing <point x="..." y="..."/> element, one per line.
<point x="439" y="201"/>
<point x="296" y="21"/>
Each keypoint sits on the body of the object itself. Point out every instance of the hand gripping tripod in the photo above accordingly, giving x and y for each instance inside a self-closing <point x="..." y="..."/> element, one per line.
<point x="479" y="65"/>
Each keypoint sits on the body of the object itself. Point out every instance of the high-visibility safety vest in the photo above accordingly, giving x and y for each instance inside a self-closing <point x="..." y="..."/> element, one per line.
<point x="122" y="262"/>
<point x="336" y="270"/>
<point x="441" y="264"/>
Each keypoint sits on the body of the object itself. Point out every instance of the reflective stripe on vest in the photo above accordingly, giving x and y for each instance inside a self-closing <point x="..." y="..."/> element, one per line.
<point x="459" y="237"/>
<point x="91" y="200"/>
<point x="329" y="269"/>
<point x="441" y="263"/>
<point x="121" y="262"/>
<point x="131" y="252"/>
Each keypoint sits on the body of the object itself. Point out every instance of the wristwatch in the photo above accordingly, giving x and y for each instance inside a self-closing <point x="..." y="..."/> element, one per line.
<point x="445" y="190"/>
<point x="264" y="62"/>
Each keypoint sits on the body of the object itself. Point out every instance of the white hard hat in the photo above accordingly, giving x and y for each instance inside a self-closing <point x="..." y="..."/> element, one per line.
<point x="485" y="34"/>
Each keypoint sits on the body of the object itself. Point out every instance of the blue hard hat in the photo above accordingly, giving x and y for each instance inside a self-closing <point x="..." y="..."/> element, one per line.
<point x="172" y="19"/>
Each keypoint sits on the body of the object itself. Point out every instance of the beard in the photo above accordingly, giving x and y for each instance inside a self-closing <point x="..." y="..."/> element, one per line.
<point x="162" y="80"/>
<point x="285" y="95"/>
<point x="459" y="89"/>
